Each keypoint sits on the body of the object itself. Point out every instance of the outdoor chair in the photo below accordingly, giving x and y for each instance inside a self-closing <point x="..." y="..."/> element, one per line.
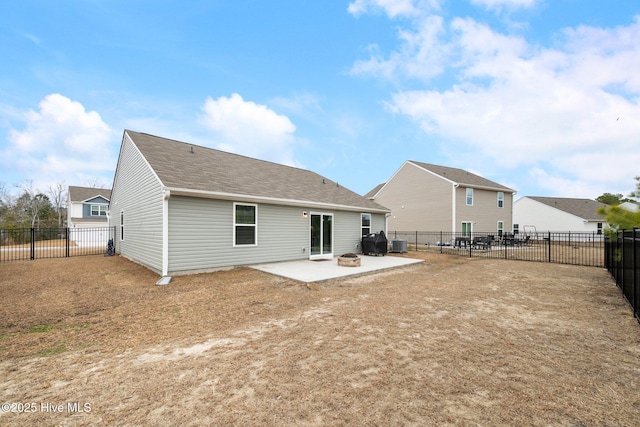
<point x="481" y="242"/>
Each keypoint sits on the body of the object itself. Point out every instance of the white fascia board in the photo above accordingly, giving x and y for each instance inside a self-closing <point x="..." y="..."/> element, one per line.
<point x="269" y="200"/>
<point x="145" y="160"/>
<point x="99" y="195"/>
<point x="391" y="179"/>
<point x="433" y="173"/>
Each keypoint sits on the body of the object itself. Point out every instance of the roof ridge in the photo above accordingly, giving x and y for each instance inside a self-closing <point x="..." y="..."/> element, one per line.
<point x="221" y="151"/>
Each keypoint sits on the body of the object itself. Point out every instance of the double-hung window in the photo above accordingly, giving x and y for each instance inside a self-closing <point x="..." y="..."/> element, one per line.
<point x="469" y="196"/>
<point x="366" y="224"/>
<point x="245" y="224"/>
<point x="500" y="199"/>
<point x="98" y="210"/>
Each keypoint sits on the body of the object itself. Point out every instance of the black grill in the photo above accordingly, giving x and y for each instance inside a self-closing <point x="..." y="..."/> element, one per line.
<point x="374" y="244"/>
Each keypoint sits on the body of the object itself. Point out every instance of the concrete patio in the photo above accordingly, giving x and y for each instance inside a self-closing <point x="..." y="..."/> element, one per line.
<point x="314" y="271"/>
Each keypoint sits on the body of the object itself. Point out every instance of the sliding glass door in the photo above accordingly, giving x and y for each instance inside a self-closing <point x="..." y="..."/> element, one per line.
<point x="321" y="236"/>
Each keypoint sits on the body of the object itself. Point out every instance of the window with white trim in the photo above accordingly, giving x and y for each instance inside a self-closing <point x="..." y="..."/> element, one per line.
<point x="245" y="224"/>
<point x="500" y="199"/>
<point x="466" y="228"/>
<point x="500" y="227"/>
<point x="98" y="210"/>
<point x="469" y="196"/>
<point x="366" y="224"/>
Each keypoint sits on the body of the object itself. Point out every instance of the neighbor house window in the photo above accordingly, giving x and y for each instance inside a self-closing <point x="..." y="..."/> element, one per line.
<point x="466" y="228"/>
<point x="98" y="210"/>
<point x="500" y="199"/>
<point x="245" y="224"/>
<point x="366" y="224"/>
<point x="516" y="228"/>
<point x="500" y="227"/>
<point x="121" y="225"/>
<point x="599" y="228"/>
<point x="469" y="196"/>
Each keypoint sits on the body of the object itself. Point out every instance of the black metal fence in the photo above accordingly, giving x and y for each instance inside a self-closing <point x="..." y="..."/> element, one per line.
<point x="18" y="244"/>
<point x="562" y="248"/>
<point x="622" y="259"/>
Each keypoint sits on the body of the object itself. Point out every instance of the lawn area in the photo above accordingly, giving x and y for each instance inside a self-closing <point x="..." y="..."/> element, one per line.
<point x="451" y="341"/>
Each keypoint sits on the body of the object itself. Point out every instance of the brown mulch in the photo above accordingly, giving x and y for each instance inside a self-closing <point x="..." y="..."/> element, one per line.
<point x="451" y="341"/>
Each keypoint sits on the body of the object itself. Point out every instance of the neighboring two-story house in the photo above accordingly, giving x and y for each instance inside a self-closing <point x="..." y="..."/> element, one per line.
<point x="87" y="215"/>
<point x="427" y="197"/>
<point x="87" y="207"/>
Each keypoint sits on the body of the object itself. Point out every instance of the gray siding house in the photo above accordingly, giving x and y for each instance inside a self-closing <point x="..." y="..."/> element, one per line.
<point x="427" y="197"/>
<point x="181" y="208"/>
<point x="87" y="206"/>
<point x="87" y="209"/>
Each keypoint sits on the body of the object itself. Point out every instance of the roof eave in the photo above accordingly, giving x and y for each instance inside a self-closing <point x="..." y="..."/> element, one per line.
<point x="483" y="187"/>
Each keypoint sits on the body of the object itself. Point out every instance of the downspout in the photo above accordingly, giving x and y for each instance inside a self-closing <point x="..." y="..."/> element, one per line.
<point x="453" y="207"/>
<point x="166" y="194"/>
<point x="386" y="223"/>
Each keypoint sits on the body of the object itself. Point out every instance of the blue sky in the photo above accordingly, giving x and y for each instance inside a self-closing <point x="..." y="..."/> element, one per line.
<point x="541" y="96"/>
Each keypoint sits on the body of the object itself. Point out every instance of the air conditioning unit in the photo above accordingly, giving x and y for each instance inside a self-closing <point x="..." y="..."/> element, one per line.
<point x="398" y="246"/>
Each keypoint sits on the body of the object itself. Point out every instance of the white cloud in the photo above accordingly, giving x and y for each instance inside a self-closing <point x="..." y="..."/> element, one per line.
<point x="60" y="142"/>
<point x="422" y="54"/>
<point x="509" y="4"/>
<point x="247" y="128"/>
<point x="392" y="8"/>
<point x="570" y="110"/>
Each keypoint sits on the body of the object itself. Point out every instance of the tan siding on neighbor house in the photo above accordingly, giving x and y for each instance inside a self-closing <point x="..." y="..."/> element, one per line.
<point x="418" y="200"/>
<point x="138" y="193"/>
<point x="485" y="213"/>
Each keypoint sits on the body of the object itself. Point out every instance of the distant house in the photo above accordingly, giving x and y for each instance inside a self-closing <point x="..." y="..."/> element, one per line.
<point x="557" y="214"/>
<point x="427" y="197"/>
<point x="181" y="208"/>
<point x="87" y="209"/>
<point x="630" y="206"/>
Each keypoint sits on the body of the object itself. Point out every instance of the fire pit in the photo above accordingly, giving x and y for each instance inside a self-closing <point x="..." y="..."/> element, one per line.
<point x="349" y="260"/>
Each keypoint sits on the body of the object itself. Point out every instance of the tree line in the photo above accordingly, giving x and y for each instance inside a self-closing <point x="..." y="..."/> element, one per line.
<point x="32" y="208"/>
<point x="615" y="215"/>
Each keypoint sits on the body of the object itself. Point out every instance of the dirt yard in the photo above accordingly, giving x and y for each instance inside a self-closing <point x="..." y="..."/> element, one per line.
<point x="451" y="341"/>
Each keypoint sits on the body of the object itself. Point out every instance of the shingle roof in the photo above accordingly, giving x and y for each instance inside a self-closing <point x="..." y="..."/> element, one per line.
<point x="374" y="191"/>
<point x="586" y="209"/>
<point x="181" y="165"/>
<point x="80" y="194"/>
<point x="462" y="177"/>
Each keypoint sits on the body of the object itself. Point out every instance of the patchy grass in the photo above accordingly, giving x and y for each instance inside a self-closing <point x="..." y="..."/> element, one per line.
<point x="451" y="341"/>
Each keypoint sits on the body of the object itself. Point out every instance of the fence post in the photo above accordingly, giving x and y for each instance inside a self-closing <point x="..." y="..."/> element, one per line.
<point x="33" y="243"/>
<point x="67" y="241"/>
<point x="416" y="240"/>
<point x="635" y="284"/>
<point x="549" y="240"/>
<point x="441" y="242"/>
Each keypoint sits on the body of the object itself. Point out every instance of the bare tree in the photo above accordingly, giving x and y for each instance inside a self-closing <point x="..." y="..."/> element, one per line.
<point x="32" y="203"/>
<point x="58" y="197"/>
<point x="96" y="183"/>
<point x="6" y="203"/>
